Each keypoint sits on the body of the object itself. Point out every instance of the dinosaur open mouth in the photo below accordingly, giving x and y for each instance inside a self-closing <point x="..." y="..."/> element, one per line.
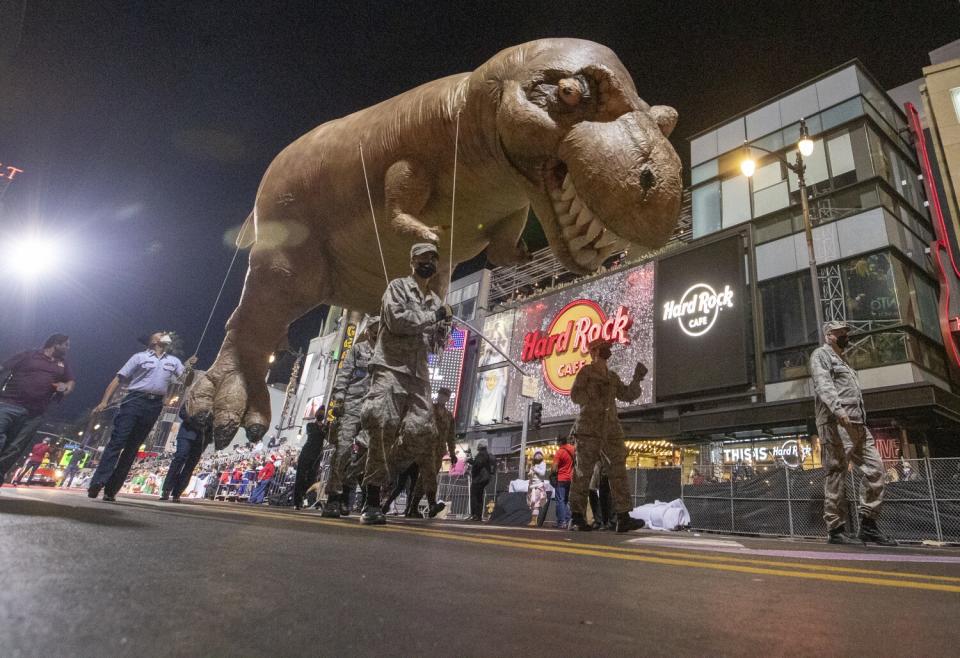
<point x="588" y="240"/>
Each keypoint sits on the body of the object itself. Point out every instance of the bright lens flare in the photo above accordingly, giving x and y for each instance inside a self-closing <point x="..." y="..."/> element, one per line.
<point x="31" y="256"/>
<point x="748" y="166"/>
<point x="805" y="146"/>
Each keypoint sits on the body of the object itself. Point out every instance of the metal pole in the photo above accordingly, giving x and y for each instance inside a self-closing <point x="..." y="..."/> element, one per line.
<point x="523" y="442"/>
<point x="786" y="474"/>
<point x="811" y="253"/>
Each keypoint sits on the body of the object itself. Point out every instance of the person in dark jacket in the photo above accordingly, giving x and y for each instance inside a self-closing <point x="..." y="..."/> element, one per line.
<point x="310" y="456"/>
<point x="192" y="438"/>
<point x="481" y="470"/>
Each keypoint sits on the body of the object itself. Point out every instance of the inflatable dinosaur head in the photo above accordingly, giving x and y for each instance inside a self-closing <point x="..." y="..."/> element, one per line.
<point x="592" y="155"/>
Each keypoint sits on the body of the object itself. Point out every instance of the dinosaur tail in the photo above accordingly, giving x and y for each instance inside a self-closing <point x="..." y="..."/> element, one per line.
<point x="248" y="233"/>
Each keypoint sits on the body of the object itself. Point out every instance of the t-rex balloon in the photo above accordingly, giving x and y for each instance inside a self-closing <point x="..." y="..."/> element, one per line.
<point x="555" y="124"/>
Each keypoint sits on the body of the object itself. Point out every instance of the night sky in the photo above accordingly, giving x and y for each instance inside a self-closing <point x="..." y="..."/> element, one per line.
<point x="143" y="128"/>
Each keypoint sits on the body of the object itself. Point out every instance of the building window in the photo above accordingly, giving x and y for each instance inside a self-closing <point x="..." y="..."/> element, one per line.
<point x="955" y="97"/>
<point x="735" y="198"/>
<point x="706" y="209"/>
<point x="787" y="308"/>
<point x="870" y="290"/>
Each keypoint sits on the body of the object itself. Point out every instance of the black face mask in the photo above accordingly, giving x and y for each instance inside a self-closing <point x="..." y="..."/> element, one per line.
<point x="425" y="270"/>
<point x="604" y="353"/>
<point x="843" y="341"/>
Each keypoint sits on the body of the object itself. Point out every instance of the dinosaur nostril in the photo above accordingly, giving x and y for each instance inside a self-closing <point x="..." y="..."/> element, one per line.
<point x="647" y="179"/>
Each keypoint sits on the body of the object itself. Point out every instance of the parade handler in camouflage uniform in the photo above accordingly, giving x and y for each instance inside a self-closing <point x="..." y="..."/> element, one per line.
<point x="443" y="443"/>
<point x="600" y="436"/>
<point x="397" y="412"/>
<point x="841" y="423"/>
<point x="349" y="388"/>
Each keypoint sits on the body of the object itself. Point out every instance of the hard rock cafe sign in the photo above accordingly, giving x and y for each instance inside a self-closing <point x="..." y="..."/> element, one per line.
<point x="562" y="349"/>
<point x="697" y="310"/>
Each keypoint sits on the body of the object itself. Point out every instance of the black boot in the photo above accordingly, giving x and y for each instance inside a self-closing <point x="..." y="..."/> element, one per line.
<point x="626" y="523"/>
<point x="870" y="533"/>
<point x="839" y="536"/>
<point x="345" y="501"/>
<point x="331" y="510"/>
<point x="434" y="507"/>
<point x="579" y="522"/>
<point x="371" y="512"/>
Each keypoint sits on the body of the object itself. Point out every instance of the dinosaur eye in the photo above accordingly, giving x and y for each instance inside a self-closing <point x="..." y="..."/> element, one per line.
<point x="570" y="91"/>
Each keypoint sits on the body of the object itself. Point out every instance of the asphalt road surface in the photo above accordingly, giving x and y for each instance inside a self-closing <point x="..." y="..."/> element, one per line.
<point x="144" y="578"/>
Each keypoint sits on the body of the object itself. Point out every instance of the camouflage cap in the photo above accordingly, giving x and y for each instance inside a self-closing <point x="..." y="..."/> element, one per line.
<point x="423" y="248"/>
<point x="834" y="325"/>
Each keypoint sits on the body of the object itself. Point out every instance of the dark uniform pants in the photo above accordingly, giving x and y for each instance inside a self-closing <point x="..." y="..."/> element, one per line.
<point x="131" y="426"/>
<point x="181" y="466"/>
<point x="16" y="430"/>
<point x="307" y="464"/>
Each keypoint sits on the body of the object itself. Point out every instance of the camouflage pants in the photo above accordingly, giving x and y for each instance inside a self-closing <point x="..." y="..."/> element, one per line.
<point x="841" y="448"/>
<point x="435" y="465"/>
<point x="397" y="416"/>
<point x="343" y="434"/>
<point x="611" y="453"/>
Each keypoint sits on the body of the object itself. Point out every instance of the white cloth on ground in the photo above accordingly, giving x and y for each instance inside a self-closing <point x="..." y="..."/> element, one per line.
<point x="663" y="516"/>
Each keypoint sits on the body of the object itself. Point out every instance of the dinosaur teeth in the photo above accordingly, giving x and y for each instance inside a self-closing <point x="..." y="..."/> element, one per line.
<point x="585" y="258"/>
<point x="605" y="252"/>
<point x="556" y="195"/>
<point x="569" y="193"/>
<point x="578" y="243"/>
<point x="610" y="239"/>
<point x="565" y="219"/>
<point x="570" y="235"/>
<point x="584" y="218"/>
<point x="575" y="207"/>
<point x="566" y="181"/>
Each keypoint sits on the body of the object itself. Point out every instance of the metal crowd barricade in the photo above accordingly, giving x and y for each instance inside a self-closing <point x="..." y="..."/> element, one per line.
<point x="921" y="500"/>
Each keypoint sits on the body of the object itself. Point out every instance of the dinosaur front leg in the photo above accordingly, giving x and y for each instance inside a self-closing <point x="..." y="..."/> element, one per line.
<point x="506" y="246"/>
<point x="407" y="188"/>
<point x="233" y="390"/>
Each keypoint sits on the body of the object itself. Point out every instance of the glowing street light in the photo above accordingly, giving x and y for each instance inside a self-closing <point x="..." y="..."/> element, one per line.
<point x="30" y="256"/>
<point x="805" y="146"/>
<point x="97" y="426"/>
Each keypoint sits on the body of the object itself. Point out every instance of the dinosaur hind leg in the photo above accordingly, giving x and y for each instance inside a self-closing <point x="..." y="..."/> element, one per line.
<point x="233" y="390"/>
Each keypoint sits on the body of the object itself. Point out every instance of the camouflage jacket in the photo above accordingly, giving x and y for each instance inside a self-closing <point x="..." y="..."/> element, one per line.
<point x="445" y="435"/>
<point x="353" y="377"/>
<point x="835" y="387"/>
<point x="597" y="393"/>
<point x="409" y="330"/>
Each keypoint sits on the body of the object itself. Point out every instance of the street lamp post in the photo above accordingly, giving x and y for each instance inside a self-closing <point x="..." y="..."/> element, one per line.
<point x="804" y="148"/>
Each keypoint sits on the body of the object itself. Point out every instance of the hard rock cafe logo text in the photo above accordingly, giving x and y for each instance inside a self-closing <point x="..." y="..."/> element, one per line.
<point x="563" y="347"/>
<point x="697" y="310"/>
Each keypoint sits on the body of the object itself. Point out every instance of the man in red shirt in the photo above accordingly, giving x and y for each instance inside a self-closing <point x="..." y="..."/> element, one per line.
<point x="563" y="467"/>
<point x="29" y="381"/>
<point x="37" y="455"/>
<point x="264" y="480"/>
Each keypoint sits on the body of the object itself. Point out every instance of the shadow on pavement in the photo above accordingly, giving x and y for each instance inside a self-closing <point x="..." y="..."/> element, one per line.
<point x="107" y="517"/>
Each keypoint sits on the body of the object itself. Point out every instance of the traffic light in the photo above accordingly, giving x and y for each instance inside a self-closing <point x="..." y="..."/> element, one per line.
<point x="536" y="415"/>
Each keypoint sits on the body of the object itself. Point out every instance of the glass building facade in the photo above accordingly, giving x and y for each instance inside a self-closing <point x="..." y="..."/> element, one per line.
<point x="868" y="210"/>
